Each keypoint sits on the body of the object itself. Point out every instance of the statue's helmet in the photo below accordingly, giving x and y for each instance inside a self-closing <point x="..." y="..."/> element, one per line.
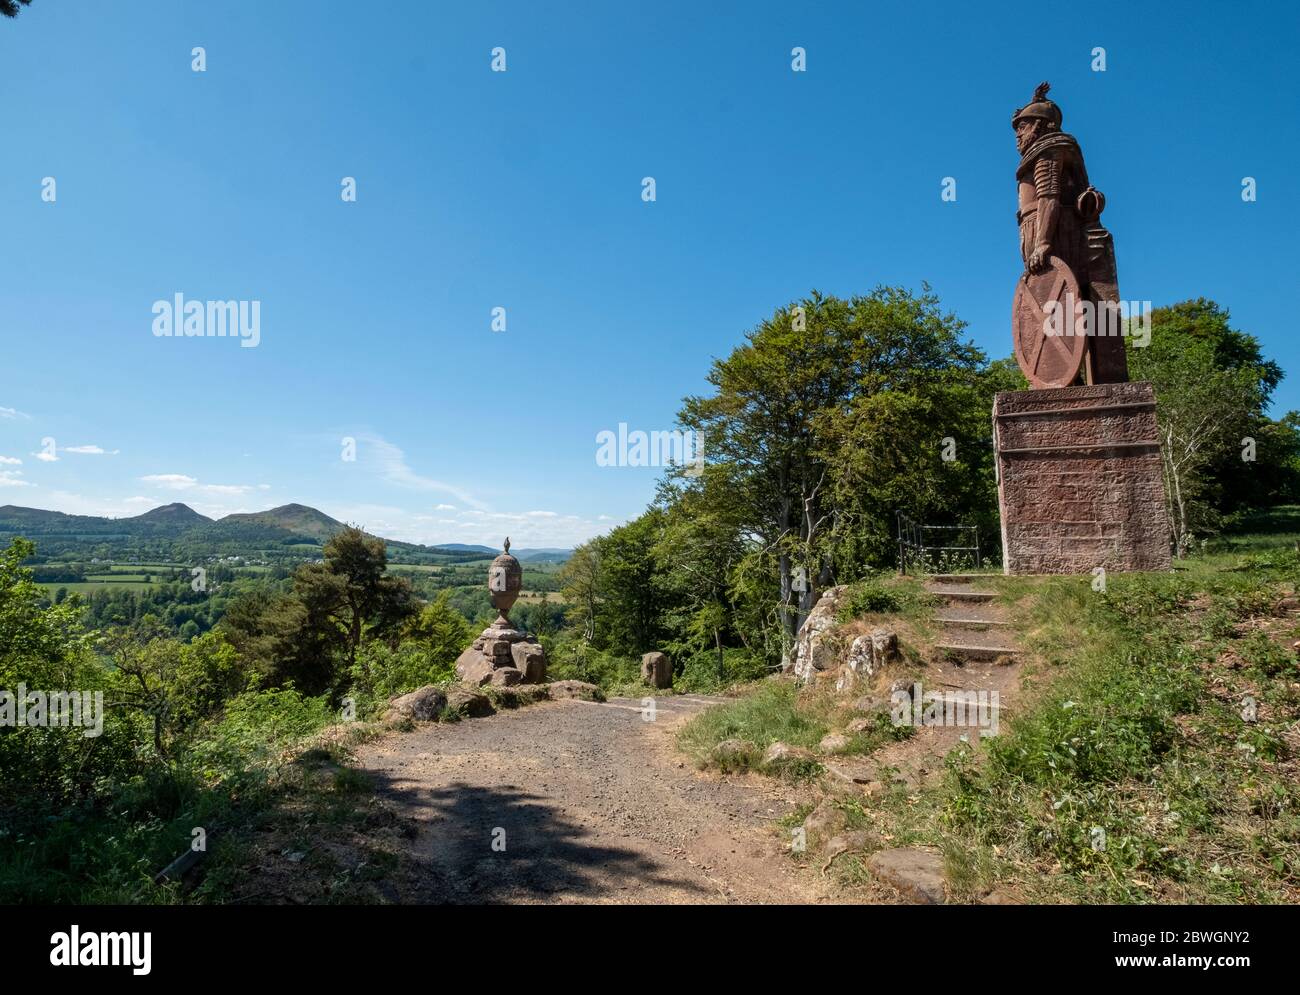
<point x="1039" y="107"/>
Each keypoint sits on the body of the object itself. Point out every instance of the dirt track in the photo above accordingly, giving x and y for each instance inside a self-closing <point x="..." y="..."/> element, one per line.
<point x="595" y="805"/>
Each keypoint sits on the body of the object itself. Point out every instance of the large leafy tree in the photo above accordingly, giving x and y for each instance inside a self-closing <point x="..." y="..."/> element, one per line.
<point x="1213" y="388"/>
<point x="10" y="8"/>
<point x="815" y="380"/>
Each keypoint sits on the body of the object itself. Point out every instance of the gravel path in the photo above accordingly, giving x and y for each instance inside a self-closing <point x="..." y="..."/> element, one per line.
<point x="573" y="801"/>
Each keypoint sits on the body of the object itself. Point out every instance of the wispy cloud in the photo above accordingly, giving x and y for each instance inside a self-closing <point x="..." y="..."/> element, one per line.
<point x="389" y="463"/>
<point x="13" y="478"/>
<point x="10" y="461"/>
<point x="14" y="414"/>
<point x="91" y="451"/>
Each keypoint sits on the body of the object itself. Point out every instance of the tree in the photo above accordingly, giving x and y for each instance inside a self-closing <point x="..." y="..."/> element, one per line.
<point x="10" y="8"/>
<point x="809" y="381"/>
<point x="698" y="547"/>
<point x="440" y="630"/>
<point x="348" y="595"/>
<point x="580" y="587"/>
<point x="1212" y="389"/>
<point x="631" y="591"/>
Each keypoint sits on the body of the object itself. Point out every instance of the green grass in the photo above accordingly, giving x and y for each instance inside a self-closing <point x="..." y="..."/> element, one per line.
<point x="764" y="716"/>
<point x="1133" y="776"/>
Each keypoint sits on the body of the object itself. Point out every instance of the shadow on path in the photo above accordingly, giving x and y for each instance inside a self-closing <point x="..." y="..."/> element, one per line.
<point x="540" y="853"/>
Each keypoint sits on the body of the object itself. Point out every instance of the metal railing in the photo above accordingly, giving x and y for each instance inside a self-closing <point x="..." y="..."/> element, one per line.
<point x="936" y="548"/>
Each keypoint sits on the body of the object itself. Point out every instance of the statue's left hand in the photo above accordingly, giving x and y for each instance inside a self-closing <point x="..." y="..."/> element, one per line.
<point x="1039" y="257"/>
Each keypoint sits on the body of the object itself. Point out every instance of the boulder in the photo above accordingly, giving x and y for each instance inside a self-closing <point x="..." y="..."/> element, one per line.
<point x="473" y="667"/>
<point x="657" y="670"/>
<point x="834" y="743"/>
<point x="560" y="690"/>
<point x="860" y="725"/>
<point x="811" y="653"/>
<point x="469" y="701"/>
<point x="504" y="677"/>
<point x="530" y="694"/>
<point x="424" y="705"/>
<point x="530" y="660"/>
<point x="867" y="656"/>
<point x="732" y="752"/>
<point x="824" y="821"/>
<point x="779" y="752"/>
<point x="917" y="874"/>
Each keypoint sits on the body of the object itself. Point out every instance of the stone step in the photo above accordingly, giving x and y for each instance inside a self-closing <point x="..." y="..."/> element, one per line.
<point x="967" y="622"/>
<point x="977" y="652"/>
<point x="967" y="595"/>
<point x="956" y="578"/>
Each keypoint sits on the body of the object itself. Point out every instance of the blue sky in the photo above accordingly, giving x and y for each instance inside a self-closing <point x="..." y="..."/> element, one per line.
<point x="480" y="189"/>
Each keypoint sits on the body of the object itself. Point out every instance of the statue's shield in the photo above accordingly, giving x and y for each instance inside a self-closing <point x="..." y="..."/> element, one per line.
<point x="1050" y="340"/>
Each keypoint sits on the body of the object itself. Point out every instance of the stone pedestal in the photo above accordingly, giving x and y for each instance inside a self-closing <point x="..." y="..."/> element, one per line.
<point x="502" y="656"/>
<point x="1079" y="480"/>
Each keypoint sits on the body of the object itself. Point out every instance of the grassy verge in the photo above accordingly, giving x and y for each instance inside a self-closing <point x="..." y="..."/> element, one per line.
<point x="108" y="849"/>
<point x="1157" y="760"/>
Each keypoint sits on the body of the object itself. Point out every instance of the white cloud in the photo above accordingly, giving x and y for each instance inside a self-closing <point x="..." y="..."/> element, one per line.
<point x="45" y="457"/>
<point x="444" y="507"/>
<point x="10" y="461"/>
<point x="14" y="414"/>
<point x="172" y="481"/>
<point x="11" y="478"/>
<point x="90" y="451"/>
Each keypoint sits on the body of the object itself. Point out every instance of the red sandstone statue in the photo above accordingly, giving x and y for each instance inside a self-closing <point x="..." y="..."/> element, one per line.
<point x="1069" y="258"/>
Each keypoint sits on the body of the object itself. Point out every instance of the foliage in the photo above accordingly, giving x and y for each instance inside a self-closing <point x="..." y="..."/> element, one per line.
<point x="1220" y="451"/>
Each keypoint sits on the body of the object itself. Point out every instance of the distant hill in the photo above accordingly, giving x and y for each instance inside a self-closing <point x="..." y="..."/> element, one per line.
<point x="178" y="532"/>
<point x="545" y="555"/>
<point x="179" y="516"/>
<point x="296" y="518"/>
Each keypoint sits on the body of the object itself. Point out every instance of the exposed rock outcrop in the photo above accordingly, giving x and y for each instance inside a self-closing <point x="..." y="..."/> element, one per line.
<point x="868" y="655"/>
<point x="811" y="652"/>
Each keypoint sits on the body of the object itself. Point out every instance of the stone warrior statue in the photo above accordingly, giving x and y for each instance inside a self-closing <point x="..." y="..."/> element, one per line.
<point x="1066" y="250"/>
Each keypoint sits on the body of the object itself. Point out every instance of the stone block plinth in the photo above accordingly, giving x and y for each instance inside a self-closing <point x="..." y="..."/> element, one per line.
<point x="1079" y="480"/>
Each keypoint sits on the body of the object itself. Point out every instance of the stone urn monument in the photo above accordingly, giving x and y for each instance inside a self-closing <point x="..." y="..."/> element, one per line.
<point x="502" y="655"/>
<point x="505" y="578"/>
